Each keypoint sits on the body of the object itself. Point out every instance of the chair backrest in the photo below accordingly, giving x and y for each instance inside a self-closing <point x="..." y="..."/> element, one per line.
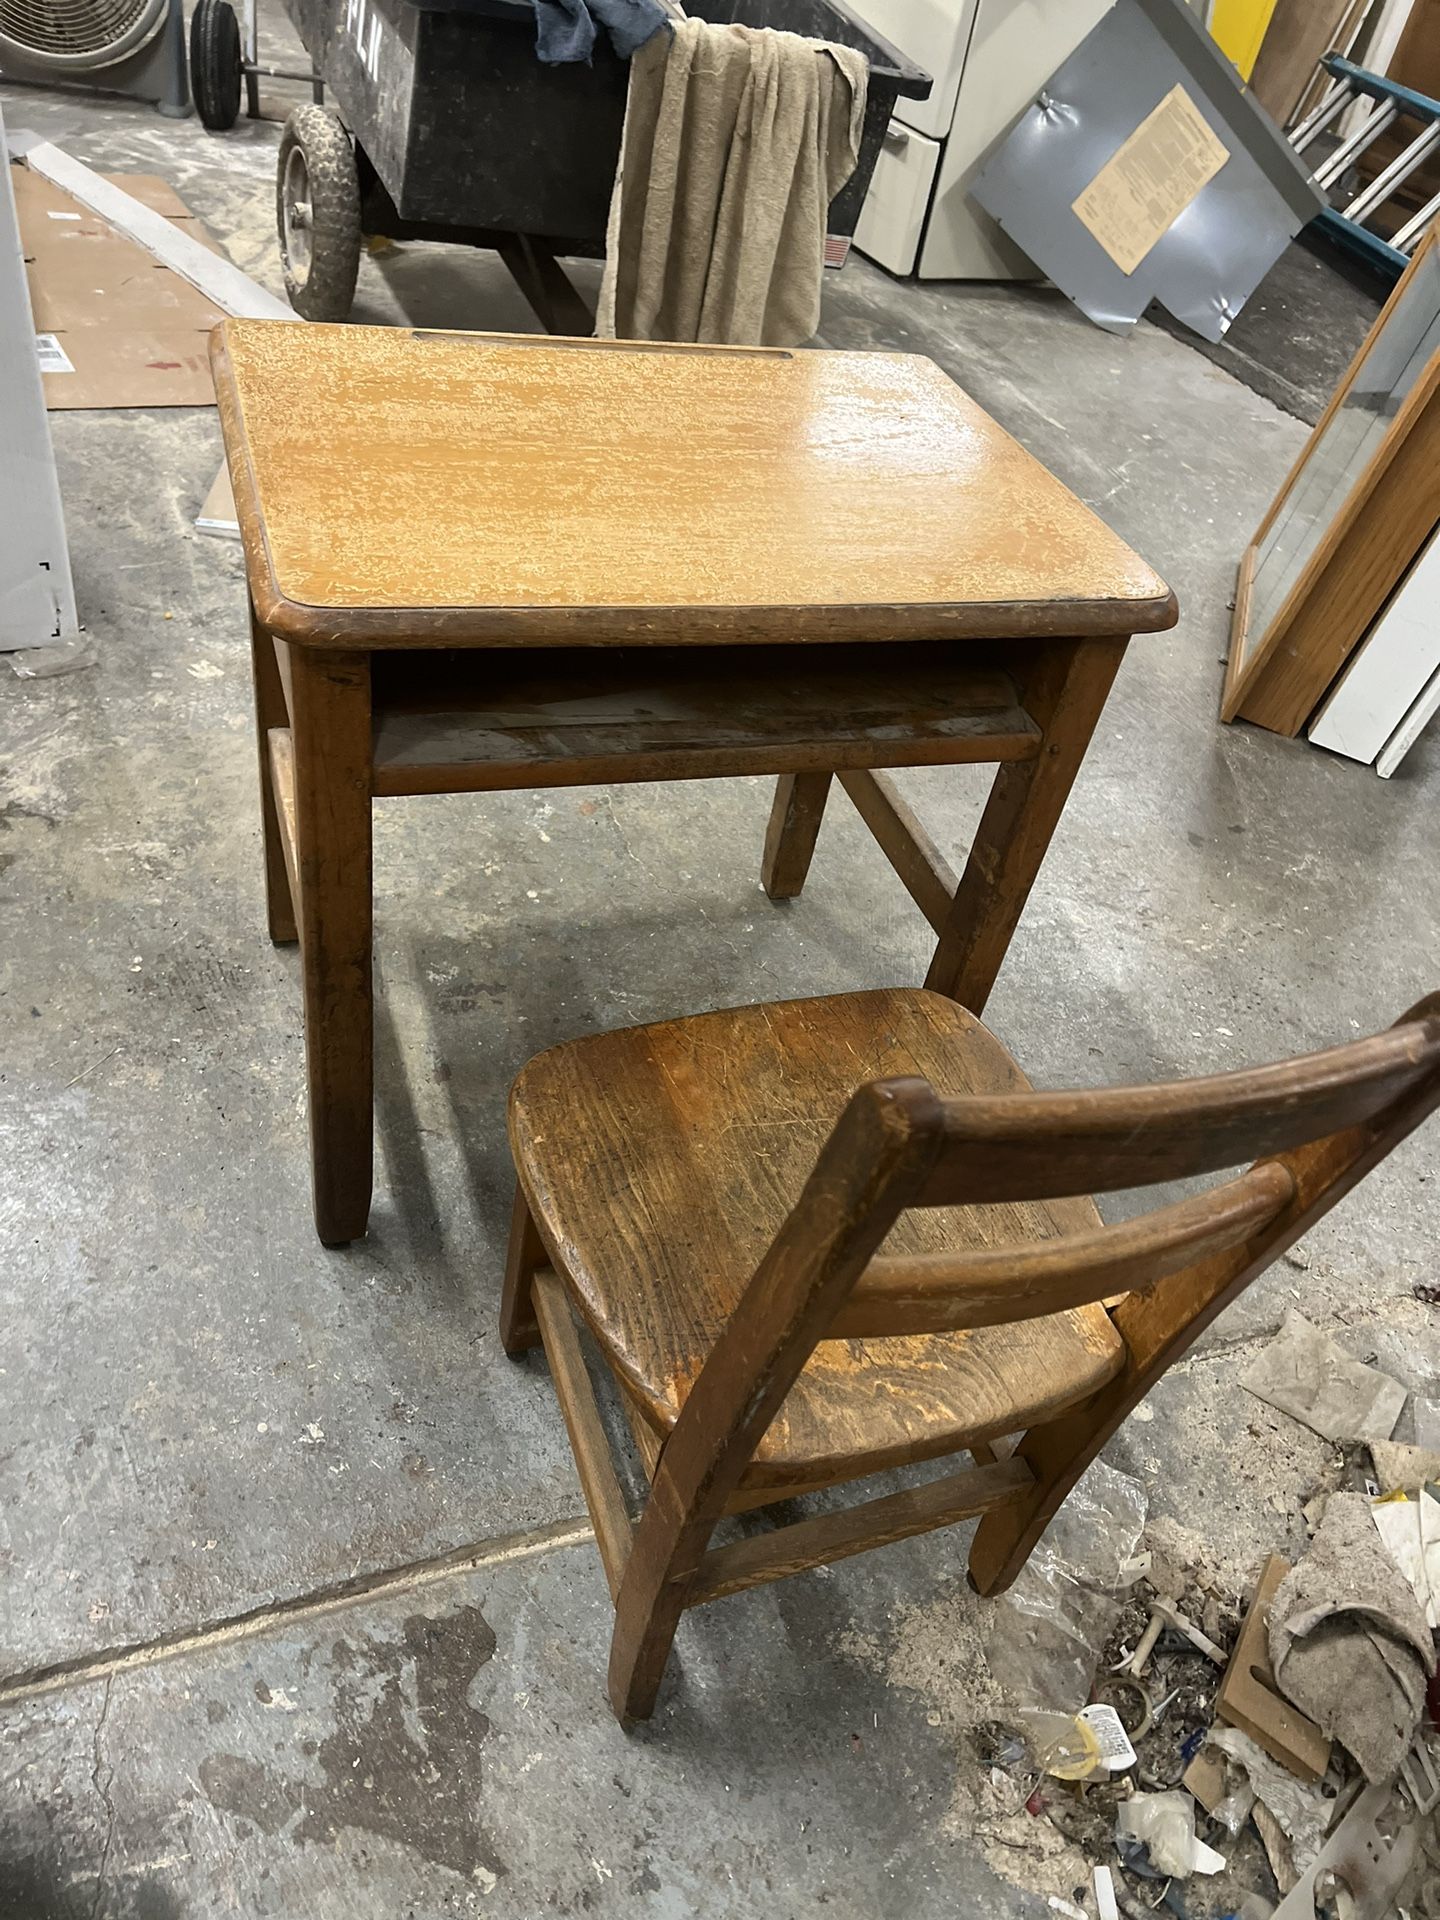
<point x="1306" y="1124"/>
<point x="1314" y="1127"/>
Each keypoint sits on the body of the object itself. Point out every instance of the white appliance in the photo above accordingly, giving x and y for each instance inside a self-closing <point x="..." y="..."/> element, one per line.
<point x="1377" y="709"/>
<point x="37" y="600"/>
<point x="988" y="59"/>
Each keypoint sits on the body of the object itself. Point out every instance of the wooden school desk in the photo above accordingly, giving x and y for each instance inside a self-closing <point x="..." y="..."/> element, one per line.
<point x="478" y="561"/>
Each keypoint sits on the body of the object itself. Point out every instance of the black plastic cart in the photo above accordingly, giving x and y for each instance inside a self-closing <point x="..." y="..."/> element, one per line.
<point x="450" y="128"/>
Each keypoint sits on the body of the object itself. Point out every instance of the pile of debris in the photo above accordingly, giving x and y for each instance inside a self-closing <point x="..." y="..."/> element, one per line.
<point x="1275" y="1757"/>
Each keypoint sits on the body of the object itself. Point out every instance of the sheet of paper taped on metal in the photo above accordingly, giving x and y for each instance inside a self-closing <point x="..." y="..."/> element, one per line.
<point x="1139" y="194"/>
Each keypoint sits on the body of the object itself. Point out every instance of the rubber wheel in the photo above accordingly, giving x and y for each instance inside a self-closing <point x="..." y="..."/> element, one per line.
<point x="317" y="210"/>
<point x="215" y="64"/>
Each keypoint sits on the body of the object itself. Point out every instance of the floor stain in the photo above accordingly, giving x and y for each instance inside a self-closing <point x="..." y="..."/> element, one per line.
<point x="13" y="810"/>
<point x="403" y="1761"/>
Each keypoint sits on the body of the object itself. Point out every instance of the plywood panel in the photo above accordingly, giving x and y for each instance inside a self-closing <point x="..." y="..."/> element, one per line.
<point x="1299" y="32"/>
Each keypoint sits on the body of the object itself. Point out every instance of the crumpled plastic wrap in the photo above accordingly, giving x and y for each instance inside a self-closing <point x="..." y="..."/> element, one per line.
<point x="1043" y="1638"/>
<point x="1164" y="1824"/>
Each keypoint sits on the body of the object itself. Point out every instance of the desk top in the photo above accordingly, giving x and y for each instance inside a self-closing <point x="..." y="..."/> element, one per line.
<point x="402" y="488"/>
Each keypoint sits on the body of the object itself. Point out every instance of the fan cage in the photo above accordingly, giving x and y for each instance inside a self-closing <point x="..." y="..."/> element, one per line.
<point x="78" y="35"/>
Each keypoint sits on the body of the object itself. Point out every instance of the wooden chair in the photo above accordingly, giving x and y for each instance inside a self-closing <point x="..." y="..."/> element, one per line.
<point x="796" y="1283"/>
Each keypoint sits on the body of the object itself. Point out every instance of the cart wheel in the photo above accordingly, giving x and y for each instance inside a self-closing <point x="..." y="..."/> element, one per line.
<point x="317" y="208"/>
<point x="215" y="63"/>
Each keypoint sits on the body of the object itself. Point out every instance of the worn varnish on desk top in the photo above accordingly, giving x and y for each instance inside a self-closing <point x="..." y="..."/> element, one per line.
<point x="519" y="489"/>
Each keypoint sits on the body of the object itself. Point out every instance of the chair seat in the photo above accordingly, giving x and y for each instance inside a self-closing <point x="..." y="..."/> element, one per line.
<point x="660" y="1161"/>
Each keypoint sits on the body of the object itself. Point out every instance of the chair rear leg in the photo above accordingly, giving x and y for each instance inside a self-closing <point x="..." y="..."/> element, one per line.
<point x="1004" y="1541"/>
<point x="1057" y="1454"/>
<point x="645" y="1624"/>
<point x="519" y="1329"/>
<point x="669" y="1544"/>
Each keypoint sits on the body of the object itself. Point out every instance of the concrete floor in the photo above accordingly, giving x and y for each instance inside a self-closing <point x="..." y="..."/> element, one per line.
<point x="300" y="1614"/>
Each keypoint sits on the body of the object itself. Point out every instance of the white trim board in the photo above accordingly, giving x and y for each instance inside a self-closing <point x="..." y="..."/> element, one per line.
<point x="219" y="279"/>
<point x="1410" y="728"/>
<point x="1389" y="670"/>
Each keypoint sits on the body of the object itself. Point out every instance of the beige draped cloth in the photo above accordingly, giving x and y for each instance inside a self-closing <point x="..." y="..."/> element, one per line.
<point x="736" y="140"/>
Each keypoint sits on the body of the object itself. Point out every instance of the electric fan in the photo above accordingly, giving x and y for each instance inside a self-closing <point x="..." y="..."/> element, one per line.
<point x="115" y="46"/>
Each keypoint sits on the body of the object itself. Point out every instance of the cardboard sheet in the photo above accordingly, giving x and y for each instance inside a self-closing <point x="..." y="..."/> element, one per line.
<point x="1147" y="184"/>
<point x="114" y="327"/>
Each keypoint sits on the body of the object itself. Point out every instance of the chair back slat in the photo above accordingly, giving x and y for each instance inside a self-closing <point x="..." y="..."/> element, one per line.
<point x="1036" y="1146"/>
<point x="947" y="1292"/>
<point x="1305" y="1124"/>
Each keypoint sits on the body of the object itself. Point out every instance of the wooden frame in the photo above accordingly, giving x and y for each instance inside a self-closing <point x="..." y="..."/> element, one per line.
<point x="1277" y="677"/>
<point x="339" y="730"/>
<point x="1316" y="1125"/>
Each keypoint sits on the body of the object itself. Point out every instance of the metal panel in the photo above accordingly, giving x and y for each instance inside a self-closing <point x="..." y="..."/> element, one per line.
<point x="1208" y="263"/>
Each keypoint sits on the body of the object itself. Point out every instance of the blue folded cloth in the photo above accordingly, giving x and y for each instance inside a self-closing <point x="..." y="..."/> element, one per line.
<point x="565" y="29"/>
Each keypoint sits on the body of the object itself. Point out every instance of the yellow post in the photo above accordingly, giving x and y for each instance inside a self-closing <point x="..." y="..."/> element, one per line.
<point x="1237" y="27"/>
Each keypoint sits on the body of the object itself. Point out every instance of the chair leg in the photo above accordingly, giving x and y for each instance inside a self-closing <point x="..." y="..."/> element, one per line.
<point x="519" y="1329"/>
<point x="1003" y="1542"/>
<point x="1057" y="1454"/>
<point x="792" y="831"/>
<point x="646" y="1617"/>
<point x="790" y="1301"/>
<point x="666" y="1550"/>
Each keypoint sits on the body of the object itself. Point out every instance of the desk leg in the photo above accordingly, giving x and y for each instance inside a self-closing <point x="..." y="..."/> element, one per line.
<point x="271" y="711"/>
<point x="790" y="836"/>
<point x="1064" y="694"/>
<point x="330" y="696"/>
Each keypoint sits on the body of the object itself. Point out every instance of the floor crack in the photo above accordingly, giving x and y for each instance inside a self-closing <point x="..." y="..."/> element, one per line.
<point x="90" y="1668"/>
<point x="623" y="836"/>
<point x="102" y="1788"/>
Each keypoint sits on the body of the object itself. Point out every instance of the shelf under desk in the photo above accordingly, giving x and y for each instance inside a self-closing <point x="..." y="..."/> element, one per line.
<point x="475" y="720"/>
